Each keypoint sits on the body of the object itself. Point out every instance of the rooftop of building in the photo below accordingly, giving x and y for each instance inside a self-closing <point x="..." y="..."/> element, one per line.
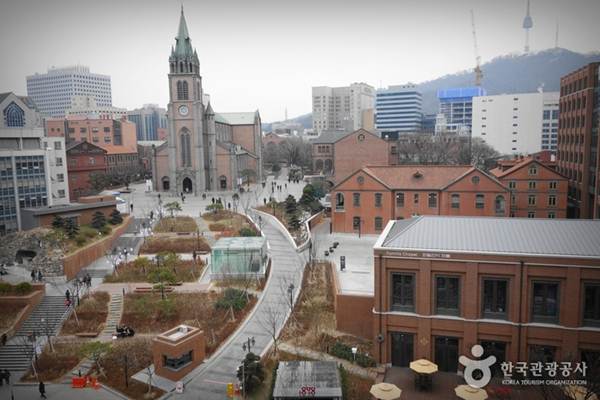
<point x="239" y="243"/>
<point x="460" y="93"/>
<point x="236" y="118"/>
<point x="321" y="376"/>
<point x="497" y="236"/>
<point x="64" y="208"/>
<point x="507" y="167"/>
<point x="150" y="143"/>
<point x="72" y="144"/>
<point x="416" y="177"/>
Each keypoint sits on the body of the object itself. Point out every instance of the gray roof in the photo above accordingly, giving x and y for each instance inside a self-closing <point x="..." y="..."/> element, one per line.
<point x="149" y="143"/>
<point x="510" y="236"/>
<point x="236" y="118"/>
<point x="294" y="375"/>
<point x="329" y="137"/>
<point x="62" y="208"/>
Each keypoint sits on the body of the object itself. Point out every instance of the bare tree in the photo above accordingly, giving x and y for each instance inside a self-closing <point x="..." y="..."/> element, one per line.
<point x="271" y="319"/>
<point x="296" y="152"/>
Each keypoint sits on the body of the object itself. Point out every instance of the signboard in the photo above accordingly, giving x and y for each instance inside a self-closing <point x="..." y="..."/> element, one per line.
<point x="179" y="387"/>
<point x="230" y="390"/>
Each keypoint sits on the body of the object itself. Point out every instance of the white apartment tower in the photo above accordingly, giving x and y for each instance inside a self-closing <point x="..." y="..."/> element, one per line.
<point x="341" y="108"/>
<point x="53" y="91"/>
<point x="522" y="123"/>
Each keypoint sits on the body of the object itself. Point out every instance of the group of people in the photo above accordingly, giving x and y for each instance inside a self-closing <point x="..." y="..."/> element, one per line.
<point x="4" y="377"/>
<point x="36" y="275"/>
<point x="124" y="331"/>
<point x="86" y="280"/>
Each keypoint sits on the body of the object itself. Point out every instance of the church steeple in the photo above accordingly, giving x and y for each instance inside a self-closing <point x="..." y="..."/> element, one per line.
<point x="184" y="58"/>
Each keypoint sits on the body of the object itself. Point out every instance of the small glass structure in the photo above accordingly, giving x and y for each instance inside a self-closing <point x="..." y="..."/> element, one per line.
<point x="239" y="257"/>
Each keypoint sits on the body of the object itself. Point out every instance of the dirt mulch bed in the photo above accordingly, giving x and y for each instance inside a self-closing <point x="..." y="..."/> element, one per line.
<point x="8" y="316"/>
<point x="176" y="224"/>
<point x="158" y="244"/>
<point x="227" y="222"/>
<point x="185" y="271"/>
<point x="147" y="313"/>
<point x="139" y="356"/>
<point x="91" y="313"/>
<point x="53" y="366"/>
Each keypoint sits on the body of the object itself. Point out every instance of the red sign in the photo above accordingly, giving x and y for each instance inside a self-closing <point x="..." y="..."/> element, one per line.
<point x="307" y="391"/>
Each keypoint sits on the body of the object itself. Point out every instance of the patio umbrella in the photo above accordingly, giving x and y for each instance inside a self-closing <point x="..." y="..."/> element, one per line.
<point x="579" y="393"/>
<point x="423" y="366"/>
<point x="385" y="391"/>
<point x="467" y="392"/>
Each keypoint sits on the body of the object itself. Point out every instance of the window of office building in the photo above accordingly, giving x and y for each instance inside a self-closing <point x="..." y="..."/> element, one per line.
<point x="495" y="298"/>
<point x="378" y="224"/>
<point x="531" y="200"/>
<point x="552" y="200"/>
<point x="378" y="199"/>
<point x="447" y="295"/>
<point x="532" y="170"/>
<point x="178" y="362"/>
<point x="512" y="184"/>
<point x="545" y="302"/>
<point x="356" y="199"/>
<point x="532" y="184"/>
<point x="356" y="223"/>
<point x="403" y="292"/>
<point x="400" y="199"/>
<point x="591" y="304"/>
<point x="479" y="201"/>
<point x="455" y="200"/>
<point x="416" y="198"/>
<point x="531" y="214"/>
<point x="432" y="200"/>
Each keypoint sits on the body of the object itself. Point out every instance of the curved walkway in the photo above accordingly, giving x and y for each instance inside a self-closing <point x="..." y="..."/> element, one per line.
<point x="209" y="381"/>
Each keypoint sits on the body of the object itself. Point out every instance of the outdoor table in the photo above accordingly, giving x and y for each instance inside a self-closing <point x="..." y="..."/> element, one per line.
<point x="424" y="370"/>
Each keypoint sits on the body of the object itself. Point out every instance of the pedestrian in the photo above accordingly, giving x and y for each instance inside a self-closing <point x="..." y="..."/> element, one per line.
<point x="33" y="274"/>
<point x="1" y="377"/>
<point x="213" y="200"/>
<point x="68" y="295"/>
<point x="4" y="338"/>
<point x="88" y="280"/>
<point x="151" y="215"/>
<point x="7" y="376"/>
<point x="131" y="208"/>
<point x="286" y="186"/>
<point x="183" y="199"/>
<point x="42" y="389"/>
<point x="265" y="201"/>
<point x="229" y="206"/>
<point x="40" y="277"/>
<point x="159" y="197"/>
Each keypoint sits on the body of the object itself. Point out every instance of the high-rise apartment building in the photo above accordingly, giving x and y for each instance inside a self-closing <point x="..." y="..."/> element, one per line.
<point x="398" y="109"/>
<point x="53" y="91"/>
<point x="148" y="121"/>
<point x="578" y="152"/>
<point x="522" y="123"/>
<point x="456" y="107"/>
<point x="341" y="108"/>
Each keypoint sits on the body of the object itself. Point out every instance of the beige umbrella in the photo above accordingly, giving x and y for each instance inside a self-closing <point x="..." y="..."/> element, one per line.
<point x="467" y="392"/>
<point x="385" y="391"/>
<point x="423" y="366"/>
<point x="579" y="393"/>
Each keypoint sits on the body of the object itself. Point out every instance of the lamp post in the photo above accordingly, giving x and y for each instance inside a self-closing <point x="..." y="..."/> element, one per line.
<point x="291" y="293"/>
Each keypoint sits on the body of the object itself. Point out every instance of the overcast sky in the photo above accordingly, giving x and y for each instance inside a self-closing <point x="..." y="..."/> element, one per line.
<point x="267" y="54"/>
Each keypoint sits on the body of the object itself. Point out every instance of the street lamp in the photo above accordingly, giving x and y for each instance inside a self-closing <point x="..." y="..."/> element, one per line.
<point x="247" y="346"/>
<point x="291" y="293"/>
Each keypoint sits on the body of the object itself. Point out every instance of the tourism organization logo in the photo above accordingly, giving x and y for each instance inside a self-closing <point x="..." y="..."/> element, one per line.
<point x="478" y="372"/>
<point x="483" y="365"/>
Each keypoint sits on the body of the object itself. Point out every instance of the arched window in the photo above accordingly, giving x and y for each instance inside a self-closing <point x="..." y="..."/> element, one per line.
<point x="319" y="165"/>
<point x="182" y="90"/>
<point x="14" y="115"/>
<point x="185" y="151"/>
<point x="180" y="66"/>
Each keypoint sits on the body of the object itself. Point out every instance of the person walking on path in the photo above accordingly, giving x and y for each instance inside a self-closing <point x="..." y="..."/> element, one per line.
<point x="7" y="376"/>
<point x="42" y="389"/>
<point x="33" y="274"/>
<point x="40" y="277"/>
<point x="68" y="295"/>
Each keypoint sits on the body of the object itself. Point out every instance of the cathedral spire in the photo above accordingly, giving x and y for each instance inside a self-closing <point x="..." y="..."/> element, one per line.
<point x="183" y="47"/>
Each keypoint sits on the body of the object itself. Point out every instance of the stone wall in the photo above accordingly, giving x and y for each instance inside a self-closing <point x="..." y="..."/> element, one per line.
<point x="48" y="253"/>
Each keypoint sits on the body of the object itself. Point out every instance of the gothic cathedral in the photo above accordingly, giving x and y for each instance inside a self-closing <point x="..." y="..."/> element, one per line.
<point x="204" y="151"/>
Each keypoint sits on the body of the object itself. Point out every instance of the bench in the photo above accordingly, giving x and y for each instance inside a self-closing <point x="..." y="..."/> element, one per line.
<point x="150" y="289"/>
<point x="87" y="334"/>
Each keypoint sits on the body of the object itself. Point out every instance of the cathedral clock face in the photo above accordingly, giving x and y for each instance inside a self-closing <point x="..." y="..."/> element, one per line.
<point x="183" y="110"/>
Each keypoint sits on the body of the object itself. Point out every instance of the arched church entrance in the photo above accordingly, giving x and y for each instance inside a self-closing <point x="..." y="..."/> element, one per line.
<point x="187" y="185"/>
<point x="165" y="184"/>
<point x="223" y="182"/>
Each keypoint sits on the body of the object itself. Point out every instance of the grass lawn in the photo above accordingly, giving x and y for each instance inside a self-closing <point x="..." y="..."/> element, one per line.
<point x="8" y="316"/>
<point x="139" y="356"/>
<point x="52" y="366"/>
<point x="227" y="222"/>
<point x="156" y="244"/>
<point x="140" y="271"/>
<point x="176" y="224"/>
<point x="147" y="313"/>
<point x="91" y="313"/>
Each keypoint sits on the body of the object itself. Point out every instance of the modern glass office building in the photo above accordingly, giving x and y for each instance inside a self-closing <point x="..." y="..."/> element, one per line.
<point x="148" y="120"/>
<point x="398" y="109"/>
<point x="52" y="92"/>
<point x="456" y="105"/>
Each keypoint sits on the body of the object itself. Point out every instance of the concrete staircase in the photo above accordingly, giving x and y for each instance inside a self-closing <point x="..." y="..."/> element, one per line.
<point x="17" y="354"/>
<point x="115" y="310"/>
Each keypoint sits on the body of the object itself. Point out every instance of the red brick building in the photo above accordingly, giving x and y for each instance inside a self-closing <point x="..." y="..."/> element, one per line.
<point x="545" y="157"/>
<point x="117" y="137"/>
<point x="338" y="154"/>
<point x="83" y="159"/>
<point x="537" y="191"/>
<point x="367" y="199"/>
<point x="578" y="145"/>
<point x="524" y="289"/>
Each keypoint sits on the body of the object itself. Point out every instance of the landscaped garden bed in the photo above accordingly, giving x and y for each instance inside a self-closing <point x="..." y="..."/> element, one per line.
<point x="89" y="316"/>
<point x="229" y="223"/>
<point x="170" y="269"/>
<point x="159" y="243"/>
<point x="9" y="315"/>
<point x="20" y="289"/>
<point x="218" y="315"/>
<point x="53" y="365"/>
<point x="176" y="224"/>
<point x="137" y="352"/>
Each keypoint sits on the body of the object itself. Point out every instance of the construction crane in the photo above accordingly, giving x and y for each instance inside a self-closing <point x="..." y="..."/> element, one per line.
<point x="477" y="69"/>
